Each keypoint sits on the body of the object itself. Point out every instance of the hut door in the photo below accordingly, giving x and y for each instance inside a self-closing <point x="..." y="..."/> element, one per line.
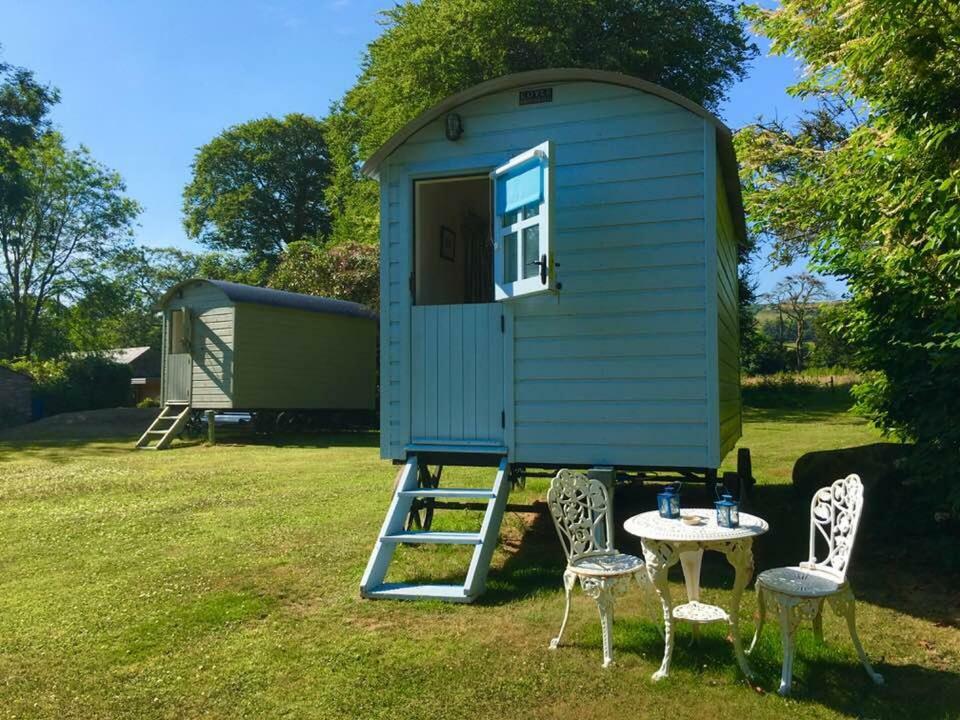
<point x="179" y="361"/>
<point x="457" y="330"/>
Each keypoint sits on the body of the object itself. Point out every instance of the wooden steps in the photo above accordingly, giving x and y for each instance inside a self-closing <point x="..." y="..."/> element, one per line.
<point x="393" y="533"/>
<point x="165" y="427"/>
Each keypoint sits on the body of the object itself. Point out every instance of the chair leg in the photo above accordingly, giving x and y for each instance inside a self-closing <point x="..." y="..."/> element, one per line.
<point x="605" y="606"/>
<point x="761" y="617"/>
<point x="845" y="604"/>
<point x="818" y="623"/>
<point x="787" y="628"/>
<point x="569" y="579"/>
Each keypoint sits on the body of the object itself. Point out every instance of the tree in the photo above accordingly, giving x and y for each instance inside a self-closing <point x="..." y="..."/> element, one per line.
<point x="74" y="216"/>
<point x="695" y="47"/>
<point x="831" y="348"/>
<point x="796" y="297"/>
<point x="878" y="205"/>
<point x="346" y="271"/>
<point x="24" y="108"/>
<point x="259" y="186"/>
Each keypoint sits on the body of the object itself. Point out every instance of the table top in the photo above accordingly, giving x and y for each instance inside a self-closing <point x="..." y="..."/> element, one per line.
<point x="651" y="526"/>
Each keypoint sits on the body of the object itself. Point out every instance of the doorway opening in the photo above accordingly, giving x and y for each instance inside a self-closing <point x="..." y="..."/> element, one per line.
<point x="453" y="246"/>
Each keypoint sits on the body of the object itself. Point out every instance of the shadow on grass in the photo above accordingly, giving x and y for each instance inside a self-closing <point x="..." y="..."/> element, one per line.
<point x="246" y="435"/>
<point x="64" y="451"/>
<point x="536" y="562"/>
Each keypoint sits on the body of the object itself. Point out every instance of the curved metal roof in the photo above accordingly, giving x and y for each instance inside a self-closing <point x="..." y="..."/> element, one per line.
<point x="253" y="295"/>
<point x="728" y="160"/>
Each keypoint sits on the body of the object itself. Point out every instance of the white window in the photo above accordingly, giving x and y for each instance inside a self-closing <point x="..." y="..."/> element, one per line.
<point x="522" y="202"/>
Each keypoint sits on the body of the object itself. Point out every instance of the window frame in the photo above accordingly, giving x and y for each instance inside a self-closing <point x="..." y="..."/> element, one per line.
<point x="523" y="287"/>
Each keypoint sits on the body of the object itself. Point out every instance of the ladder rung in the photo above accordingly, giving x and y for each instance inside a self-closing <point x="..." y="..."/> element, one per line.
<point x="404" y="591"/>
<point x="437" y="538"/>
<point x="461" y="493"/>
<point x="157" y="432"/>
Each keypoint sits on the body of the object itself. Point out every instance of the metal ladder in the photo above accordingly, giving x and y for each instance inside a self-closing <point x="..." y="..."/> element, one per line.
<point x="165" y="427"/>
<point x="393" y="533"/>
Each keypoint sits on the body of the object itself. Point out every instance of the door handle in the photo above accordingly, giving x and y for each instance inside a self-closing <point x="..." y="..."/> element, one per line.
<point x="542" y="262"/>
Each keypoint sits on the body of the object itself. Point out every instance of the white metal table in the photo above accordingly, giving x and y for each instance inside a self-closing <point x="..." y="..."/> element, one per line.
<point x="666" y="542"/>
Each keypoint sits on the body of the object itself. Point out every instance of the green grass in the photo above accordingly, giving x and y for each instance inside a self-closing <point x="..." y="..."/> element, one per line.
<point x="222" y="582"/>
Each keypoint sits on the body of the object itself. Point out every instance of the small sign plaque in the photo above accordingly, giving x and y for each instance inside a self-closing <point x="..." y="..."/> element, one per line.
<point x="536" y="95"/>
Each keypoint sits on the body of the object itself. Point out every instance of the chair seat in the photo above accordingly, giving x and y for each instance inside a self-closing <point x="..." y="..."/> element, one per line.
<point x="799" y="582"/>
<point x="607" y="565"/>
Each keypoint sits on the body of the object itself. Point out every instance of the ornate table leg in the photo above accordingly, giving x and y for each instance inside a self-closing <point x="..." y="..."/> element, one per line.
<point x="739" y="554"/>
<point x="690" y="561"/>
<point x="659" y="557"/>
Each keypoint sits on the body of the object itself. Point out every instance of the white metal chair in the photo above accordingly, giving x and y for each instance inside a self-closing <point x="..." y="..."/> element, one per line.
<point x="799" y="592"/>
<point x="583" y="516"/>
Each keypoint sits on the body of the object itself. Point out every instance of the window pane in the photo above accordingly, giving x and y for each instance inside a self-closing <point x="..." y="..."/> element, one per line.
<point x="531" y="251"/>
<point x="531" y="210"/>
<point x="510" y="218"/>
<point x="510" y="258"/>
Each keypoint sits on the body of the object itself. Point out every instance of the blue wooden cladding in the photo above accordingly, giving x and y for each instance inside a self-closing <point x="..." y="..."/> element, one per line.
<point x="633" y="360"/>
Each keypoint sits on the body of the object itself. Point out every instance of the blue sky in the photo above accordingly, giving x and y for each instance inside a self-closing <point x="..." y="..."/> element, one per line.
<point x="145" y="83"/>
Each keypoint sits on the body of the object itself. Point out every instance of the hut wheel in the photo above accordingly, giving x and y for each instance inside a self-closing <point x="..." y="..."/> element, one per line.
<point x="421" y="509"/>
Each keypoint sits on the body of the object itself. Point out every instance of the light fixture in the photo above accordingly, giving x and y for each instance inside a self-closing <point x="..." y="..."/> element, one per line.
<point x="453" y="127"/>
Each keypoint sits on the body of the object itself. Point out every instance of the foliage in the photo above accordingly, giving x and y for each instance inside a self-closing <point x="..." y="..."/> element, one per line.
<point x="75" y="216"/>
<point x="148" y="403"/>
<point x="87" y="382"/>
<point x="24" y="108"/>
<point x="877" y="203"/>
<point x="434" y="48"/>
<point x="259" y="186"/>
<point x="764" y="356"/>
<point x="831" y="346"/>
<point x="345" y="271"/>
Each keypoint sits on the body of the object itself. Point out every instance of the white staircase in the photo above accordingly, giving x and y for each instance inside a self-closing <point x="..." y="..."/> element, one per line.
<point x="166" y="427"/>
<point x="393" y="533"/>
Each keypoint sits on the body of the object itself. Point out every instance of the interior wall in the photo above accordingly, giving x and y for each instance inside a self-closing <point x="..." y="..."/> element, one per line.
<point x="447" y="203"/>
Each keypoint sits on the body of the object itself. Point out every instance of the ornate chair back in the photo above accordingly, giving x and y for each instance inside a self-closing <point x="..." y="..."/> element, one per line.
<point x="834" y="516"/>
<point x="581" y="512"/>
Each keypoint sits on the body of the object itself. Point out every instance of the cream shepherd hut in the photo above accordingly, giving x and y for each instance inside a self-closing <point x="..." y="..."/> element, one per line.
<point x="228" y="346"/>
<point x="558" y="289"/>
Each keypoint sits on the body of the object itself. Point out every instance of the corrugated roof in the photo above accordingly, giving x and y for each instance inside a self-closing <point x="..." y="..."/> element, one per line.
<point x="253" y="295"/>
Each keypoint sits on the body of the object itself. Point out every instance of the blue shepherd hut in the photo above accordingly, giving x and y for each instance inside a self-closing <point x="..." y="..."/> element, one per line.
<point x="558" y="289"/>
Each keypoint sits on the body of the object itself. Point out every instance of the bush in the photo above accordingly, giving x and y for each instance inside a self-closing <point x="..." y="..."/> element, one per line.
<point x="148" y="403"/>
<point x="77" y="383"/>
<point x="832" y="347"/>
<point x="345" y="271"/>
<point x="768" y="357"/>
<point x="790" y="390"/>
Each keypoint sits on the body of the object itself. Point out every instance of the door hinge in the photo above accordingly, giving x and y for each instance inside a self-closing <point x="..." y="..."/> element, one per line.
<point x="503" y="325"/>
<point x="503" y="419"/>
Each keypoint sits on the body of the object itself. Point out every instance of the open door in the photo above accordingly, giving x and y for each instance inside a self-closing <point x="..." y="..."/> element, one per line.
<point x="522" y="224"/>
<point x="178" y="375"/>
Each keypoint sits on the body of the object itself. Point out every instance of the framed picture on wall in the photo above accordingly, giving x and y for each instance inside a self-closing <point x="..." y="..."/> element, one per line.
<point x="448" y="243"/>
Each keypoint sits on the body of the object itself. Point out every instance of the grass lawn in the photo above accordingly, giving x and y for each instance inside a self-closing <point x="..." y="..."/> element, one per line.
<point x="223" y="582"/>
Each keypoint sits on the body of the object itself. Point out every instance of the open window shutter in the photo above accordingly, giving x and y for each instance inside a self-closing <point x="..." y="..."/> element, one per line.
<point x="523" y="203"/>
